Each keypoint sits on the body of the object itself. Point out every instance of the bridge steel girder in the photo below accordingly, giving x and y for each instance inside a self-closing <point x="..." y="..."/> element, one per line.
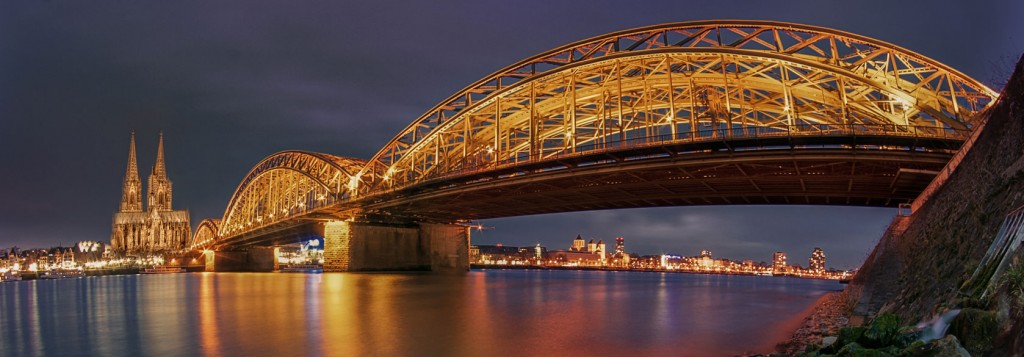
<point x="694" y="81"/>
<point x="206" y="235"/>
<point x="277" y="233"/>
<point x="287" y="185"/>
<point x="783" y="176"/>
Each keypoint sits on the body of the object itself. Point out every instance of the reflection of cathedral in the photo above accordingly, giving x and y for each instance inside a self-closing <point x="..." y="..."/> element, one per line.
<point x="159" y="228"/>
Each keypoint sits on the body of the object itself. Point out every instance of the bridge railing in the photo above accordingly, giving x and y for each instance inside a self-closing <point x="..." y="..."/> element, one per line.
<point x="728" y="136"/>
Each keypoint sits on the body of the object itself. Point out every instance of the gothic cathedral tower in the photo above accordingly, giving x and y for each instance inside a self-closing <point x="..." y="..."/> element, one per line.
<point x="131" y="192"/>
<point x="159" y="198"/>
<point x="161" y="228"/>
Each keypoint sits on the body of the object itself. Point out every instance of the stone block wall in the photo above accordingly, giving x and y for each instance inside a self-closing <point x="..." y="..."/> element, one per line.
<point x="354" y="246"/>
<point x="923" y="260"/>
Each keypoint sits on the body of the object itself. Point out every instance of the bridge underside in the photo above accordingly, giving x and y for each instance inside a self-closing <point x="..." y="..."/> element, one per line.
<point x="297" y="230"/>
<point x="350" y="246"/>
<point x="664" y="176"/>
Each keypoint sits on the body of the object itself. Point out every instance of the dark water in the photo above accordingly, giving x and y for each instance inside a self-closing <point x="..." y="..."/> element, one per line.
<point x="483" y="313"/>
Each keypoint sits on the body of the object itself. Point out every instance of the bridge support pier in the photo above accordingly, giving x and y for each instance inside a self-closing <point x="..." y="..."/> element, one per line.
<point x="254" y="259"/>
<point x="449" y="247"/>
<point x="354" y="246"/>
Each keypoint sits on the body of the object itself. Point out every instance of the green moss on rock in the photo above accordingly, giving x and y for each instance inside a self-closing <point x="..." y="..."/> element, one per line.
<point x="976" y="330"/>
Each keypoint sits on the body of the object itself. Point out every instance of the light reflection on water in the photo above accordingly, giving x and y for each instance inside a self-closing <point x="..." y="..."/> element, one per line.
<point x="482" y="313"/>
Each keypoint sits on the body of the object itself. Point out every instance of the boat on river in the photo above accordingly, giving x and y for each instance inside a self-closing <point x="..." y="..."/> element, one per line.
<point x="301" y="268"/>
<point x="61" y="274"/>
<point x="10" y="275"/>
<point x="163" y="270"/>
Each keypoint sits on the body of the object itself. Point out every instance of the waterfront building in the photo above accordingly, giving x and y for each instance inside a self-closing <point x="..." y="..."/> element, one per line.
<point x="578" y="244"/>
<point x="597" y="249"/>
<point x="620" y="246"/>
<point x="705" y="261"/>
<point x="671" y="262"/>
<point x="779" y="263"/>
<point x="624" y="260"/>
<point x="574" y="258"/>
<point x="817" y="261"/>
<point x="159" y="227"/>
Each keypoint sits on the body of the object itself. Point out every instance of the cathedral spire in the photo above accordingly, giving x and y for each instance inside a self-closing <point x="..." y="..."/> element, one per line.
<point x="131" y="191"/>
<point x="133" y="163"/>
<point x="159" y="169"/>
<point x="160" y="188"/>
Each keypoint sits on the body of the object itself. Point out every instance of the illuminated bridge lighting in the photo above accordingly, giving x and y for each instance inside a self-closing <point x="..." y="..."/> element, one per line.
<point x="693" y="113"/>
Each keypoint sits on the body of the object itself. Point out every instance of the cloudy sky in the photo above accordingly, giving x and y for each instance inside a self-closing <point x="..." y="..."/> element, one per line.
<point x="230" y="82"/>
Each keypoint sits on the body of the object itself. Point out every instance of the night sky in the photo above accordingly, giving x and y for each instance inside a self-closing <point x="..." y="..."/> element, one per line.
<point x="230" y="82"/>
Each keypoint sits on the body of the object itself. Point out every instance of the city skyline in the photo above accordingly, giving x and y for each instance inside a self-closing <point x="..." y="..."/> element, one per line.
<point x="331" y="86"/>
<point x="768" y="255"/>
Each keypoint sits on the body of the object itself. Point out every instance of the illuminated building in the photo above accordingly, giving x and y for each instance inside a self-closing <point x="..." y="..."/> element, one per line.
<point x="817" y="261"/>
<point x="591" y="246"/>
<point x="779" y="263"/>
<point x="574" y="258"/>
<point x="89" y="246"/>
<point x="578" y="244"/>
<point x="705" y="261"/>
<point x="620" y="246"/>
<point x="160" y="228"/>
<point x="601" y="249"/>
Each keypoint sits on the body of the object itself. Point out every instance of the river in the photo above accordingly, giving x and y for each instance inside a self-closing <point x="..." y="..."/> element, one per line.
<point x="482" y="313"/>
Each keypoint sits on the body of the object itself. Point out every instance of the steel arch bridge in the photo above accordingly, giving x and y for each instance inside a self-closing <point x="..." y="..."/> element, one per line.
<point x="709" y="112"/>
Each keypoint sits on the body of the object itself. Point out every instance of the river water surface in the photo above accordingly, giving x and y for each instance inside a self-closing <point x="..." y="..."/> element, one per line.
<point x="483" y="313"/>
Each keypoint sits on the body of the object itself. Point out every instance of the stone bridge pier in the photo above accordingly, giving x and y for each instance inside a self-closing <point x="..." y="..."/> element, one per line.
<point x="357" y="246"/>
<point x="252" y="259"/>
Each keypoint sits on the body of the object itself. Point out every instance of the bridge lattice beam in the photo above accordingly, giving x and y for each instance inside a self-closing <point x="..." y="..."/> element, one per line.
<point x="285" y="185"/>
<point x="681" y="80"/>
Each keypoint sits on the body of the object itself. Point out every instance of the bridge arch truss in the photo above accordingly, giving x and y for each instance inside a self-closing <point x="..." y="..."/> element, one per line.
<point x="206" y="234"/>
<point x="287" y="185"/>
<point x="715" y="81"/>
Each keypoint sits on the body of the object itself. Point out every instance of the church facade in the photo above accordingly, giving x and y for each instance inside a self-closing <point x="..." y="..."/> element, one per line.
<point x="158" y="228"/>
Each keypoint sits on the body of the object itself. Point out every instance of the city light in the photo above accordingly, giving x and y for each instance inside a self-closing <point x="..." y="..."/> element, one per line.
<point x="584" y="255"/>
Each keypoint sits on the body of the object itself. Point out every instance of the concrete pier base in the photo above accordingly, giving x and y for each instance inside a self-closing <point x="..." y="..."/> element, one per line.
<point x="352" y="246"/>
<point x="449" y="246"/>
<point x="254" y="259"/>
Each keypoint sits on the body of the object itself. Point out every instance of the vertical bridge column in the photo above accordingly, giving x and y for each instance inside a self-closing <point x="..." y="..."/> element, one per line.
<point x="354" y="246"/>
<point x="336" y="246"/>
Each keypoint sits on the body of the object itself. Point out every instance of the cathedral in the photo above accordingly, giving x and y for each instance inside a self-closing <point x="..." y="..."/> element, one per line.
<point x="157" y="228"/>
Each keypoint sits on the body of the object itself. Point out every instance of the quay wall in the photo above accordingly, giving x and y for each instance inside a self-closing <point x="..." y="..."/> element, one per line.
<point x="922" y="260"/>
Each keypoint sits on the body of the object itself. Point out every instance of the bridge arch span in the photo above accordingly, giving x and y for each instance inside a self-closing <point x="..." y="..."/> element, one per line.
<point x="286" y="185"/>
<point x="206" y="234"/>
<point x="692" y="113"/>
<point x="734" y="81"/>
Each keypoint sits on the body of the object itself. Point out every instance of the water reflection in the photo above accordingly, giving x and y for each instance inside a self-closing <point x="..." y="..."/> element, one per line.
<point x="481" y="313"/>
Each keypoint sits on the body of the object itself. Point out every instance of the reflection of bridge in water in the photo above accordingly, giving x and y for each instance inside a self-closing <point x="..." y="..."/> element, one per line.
<point x="696" y="113"/>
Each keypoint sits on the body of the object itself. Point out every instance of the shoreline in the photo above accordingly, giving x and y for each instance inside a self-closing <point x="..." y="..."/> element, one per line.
<point x="533" y="267"/>
<point x="827" y="316"/>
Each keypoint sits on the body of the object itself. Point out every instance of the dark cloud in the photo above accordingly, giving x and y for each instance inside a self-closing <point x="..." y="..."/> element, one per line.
<point x="230" y="82"/>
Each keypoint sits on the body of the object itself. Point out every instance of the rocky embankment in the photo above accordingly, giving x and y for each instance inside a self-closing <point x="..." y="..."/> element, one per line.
<point x="831" y="314"/>
<point x="924" y="262"/>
